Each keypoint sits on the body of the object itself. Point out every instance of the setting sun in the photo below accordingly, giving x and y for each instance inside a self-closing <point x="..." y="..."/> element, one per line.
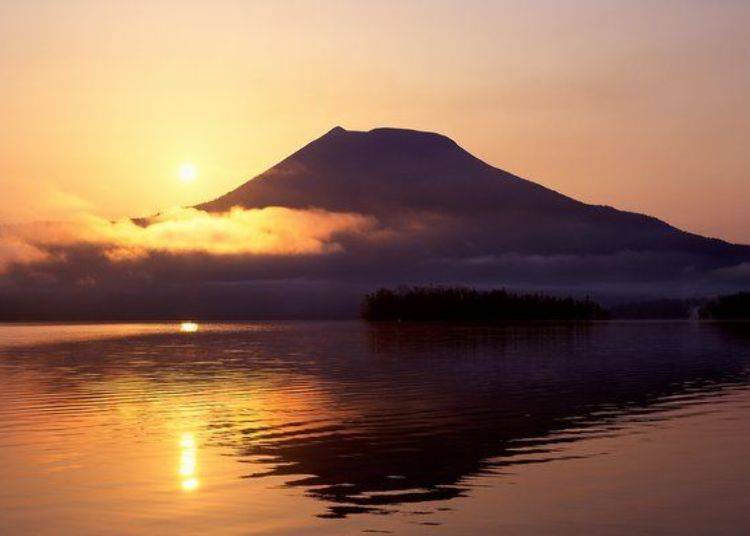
<point x="188" y="173"/>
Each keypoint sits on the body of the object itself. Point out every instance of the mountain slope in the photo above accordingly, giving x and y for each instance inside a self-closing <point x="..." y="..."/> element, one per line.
<point x="404" y="175"/>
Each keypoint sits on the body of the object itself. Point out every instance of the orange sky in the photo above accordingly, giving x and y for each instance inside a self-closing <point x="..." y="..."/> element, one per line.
<point x="637" y="104"/>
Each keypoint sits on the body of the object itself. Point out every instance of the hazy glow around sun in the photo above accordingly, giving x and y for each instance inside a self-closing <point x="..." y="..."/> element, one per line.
<point x="187" y="173"/>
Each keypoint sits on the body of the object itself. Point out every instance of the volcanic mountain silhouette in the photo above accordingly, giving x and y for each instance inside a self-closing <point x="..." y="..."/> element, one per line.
<point x="402" y="175"/>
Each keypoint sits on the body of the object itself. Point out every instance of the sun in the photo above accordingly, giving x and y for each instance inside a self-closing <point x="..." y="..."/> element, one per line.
<point x="187" y="173"/>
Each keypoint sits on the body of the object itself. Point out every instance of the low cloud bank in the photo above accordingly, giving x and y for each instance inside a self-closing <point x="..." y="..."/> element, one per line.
<point x="309" y="262"/>
<point x="267" y="231"/>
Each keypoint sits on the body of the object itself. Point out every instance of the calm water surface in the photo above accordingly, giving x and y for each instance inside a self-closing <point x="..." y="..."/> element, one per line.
<point x="346" y="428"/>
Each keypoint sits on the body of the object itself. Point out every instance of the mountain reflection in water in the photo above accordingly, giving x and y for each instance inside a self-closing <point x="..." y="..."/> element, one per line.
<point x="370" y="418"/>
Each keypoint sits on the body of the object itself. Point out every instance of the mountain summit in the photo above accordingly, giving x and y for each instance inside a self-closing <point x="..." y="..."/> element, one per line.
<point x="383" y="170"/>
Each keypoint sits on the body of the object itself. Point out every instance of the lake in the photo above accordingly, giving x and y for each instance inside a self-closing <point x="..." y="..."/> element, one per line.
<point x="349" y="428"/>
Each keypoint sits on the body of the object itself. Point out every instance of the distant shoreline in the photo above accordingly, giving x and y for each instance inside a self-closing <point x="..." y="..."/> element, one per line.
<point x="723" y="309"/>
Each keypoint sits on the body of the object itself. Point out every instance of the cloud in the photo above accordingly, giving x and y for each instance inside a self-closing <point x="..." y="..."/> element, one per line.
<point x="299" y="262"/>
<point x="14" y="249"/>
<point x="268" y="231"/>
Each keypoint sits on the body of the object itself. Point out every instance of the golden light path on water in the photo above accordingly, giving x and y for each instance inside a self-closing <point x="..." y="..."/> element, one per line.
<point x="188" y="449"/>
<point x="188" y="462"/>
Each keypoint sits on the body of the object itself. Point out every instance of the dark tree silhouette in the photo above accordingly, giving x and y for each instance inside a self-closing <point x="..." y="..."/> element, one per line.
<point x="731" y="307"/>
<point x="458" y="304"/>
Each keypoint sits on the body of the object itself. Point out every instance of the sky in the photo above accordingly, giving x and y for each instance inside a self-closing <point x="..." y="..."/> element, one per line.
<point x="636" y="104"/>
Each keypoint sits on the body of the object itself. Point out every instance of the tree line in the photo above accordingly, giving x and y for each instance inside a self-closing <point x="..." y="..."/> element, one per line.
<point x="731" y="307"/>
<point x="459" y="304"/>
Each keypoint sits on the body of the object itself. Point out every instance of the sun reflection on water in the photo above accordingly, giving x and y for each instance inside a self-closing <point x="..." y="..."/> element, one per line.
<point x="188" y="462"/>
<point x="189" y="327"/>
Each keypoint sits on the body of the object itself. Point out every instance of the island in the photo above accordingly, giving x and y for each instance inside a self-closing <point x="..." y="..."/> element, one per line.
<point x="459" y="304"/>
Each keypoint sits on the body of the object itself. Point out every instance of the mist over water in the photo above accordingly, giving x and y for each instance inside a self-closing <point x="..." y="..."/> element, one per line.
<point x="342" y="427"/>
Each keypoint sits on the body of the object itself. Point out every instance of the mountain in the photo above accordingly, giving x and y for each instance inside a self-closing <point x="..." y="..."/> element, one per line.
<point x="402" y="175"/>
<point x="361" y="210"/>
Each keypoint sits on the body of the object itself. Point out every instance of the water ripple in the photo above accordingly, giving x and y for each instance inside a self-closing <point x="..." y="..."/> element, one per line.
<point x="367" y="419"/>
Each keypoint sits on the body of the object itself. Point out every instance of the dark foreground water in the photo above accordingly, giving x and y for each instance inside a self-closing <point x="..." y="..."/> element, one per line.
<point x="346" y="428"/>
